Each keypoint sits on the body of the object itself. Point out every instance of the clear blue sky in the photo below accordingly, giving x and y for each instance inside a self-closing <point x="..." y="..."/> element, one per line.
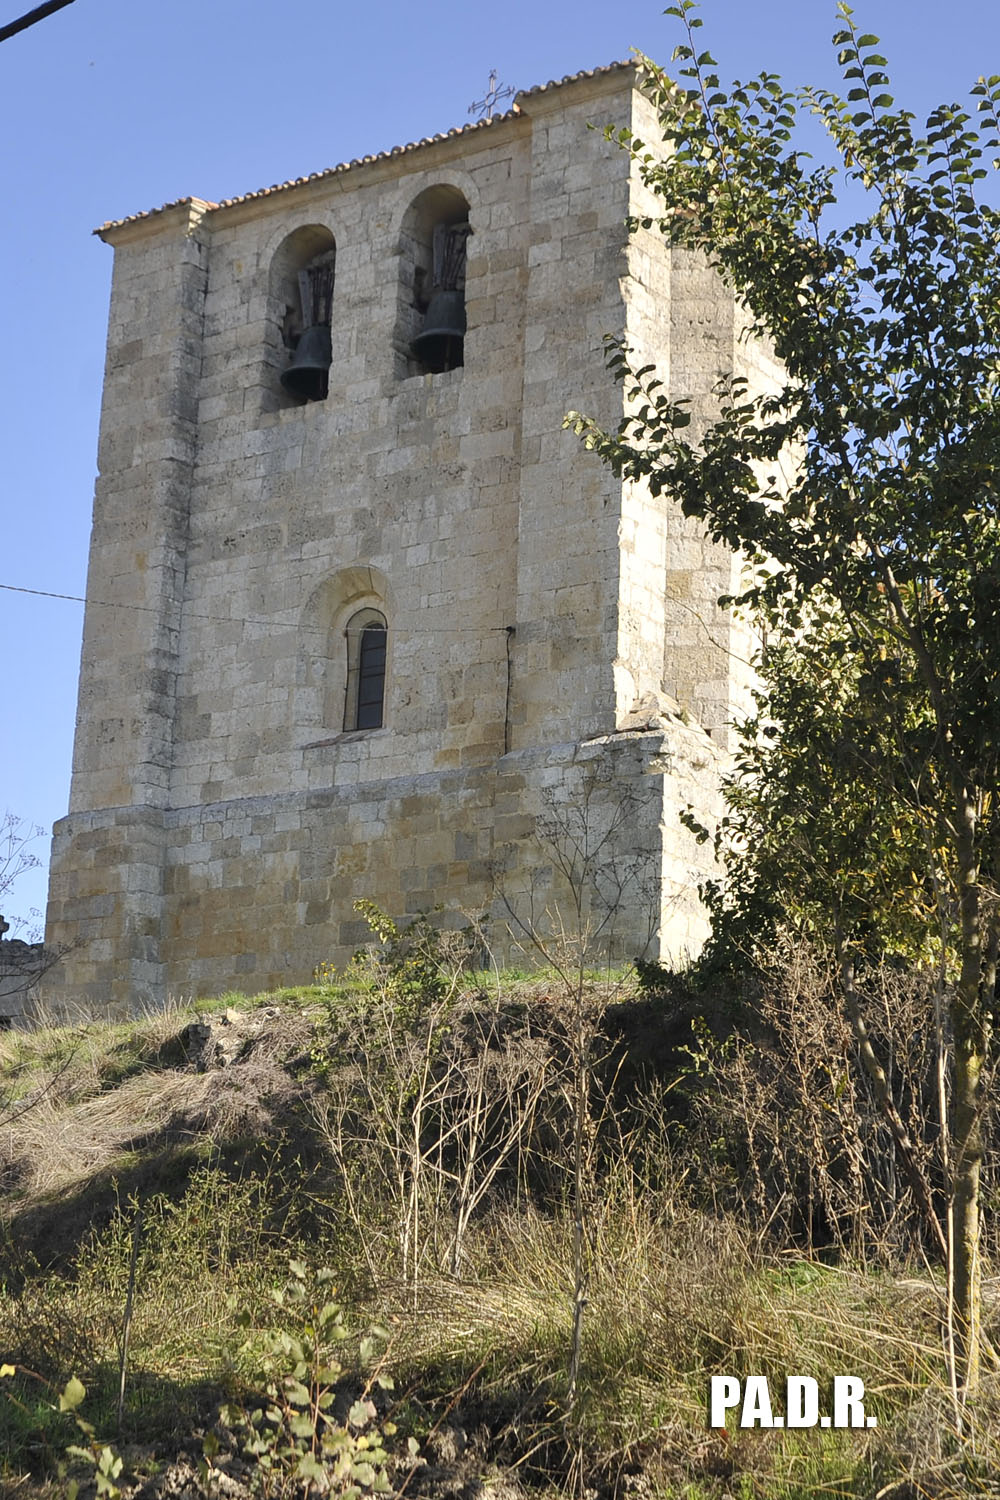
<point x="112" y="106"/>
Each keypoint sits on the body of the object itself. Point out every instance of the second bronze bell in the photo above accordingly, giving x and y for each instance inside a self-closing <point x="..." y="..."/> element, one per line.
<point x="308" y="376"/>
<point x="439" y="346"/>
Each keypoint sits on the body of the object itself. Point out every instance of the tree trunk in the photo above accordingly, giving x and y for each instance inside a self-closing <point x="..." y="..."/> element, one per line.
<point x="968" y="1158"/>
<point x="971" y="1035"/>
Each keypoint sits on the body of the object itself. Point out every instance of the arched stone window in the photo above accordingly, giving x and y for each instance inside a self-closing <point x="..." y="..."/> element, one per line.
<point x="301" y="290"/>
<point x="366" y="635"/>
<point x="430" y="323"/>
<point x="342" y="671"/>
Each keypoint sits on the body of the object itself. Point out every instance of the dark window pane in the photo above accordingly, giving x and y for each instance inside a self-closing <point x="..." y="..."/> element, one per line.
<point x="371" y="677"/>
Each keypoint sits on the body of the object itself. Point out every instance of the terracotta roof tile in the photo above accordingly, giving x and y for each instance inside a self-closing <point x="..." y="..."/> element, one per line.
<point x="557" y="83"/>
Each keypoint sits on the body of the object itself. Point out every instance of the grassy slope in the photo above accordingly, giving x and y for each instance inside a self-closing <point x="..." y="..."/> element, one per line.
<point x="232" y="1176"/>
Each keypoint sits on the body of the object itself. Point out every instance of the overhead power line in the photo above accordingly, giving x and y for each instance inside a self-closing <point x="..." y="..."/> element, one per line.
<point x="273" y="623"/>
<point x="270" y="622"/>
<point x="38" y="14"/>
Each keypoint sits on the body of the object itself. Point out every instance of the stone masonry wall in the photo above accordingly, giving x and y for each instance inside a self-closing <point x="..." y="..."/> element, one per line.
<point x="259" y="890"/>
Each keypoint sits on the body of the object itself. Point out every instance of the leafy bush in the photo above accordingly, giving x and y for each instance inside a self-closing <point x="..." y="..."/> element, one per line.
<point x="293" y="1437"/>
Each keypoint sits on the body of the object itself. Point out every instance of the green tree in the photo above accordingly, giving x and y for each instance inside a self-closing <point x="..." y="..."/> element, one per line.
<point x="877" y="564"/>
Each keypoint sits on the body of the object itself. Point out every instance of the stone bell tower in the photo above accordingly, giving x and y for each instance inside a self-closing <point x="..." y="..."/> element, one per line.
<point x="364" y="620"/>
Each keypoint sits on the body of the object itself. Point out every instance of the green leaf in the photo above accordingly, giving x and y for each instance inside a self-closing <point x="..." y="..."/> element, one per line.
<point x="308" y="1468"/>
<point x="72" y="1394"/>
<point x="361" y="1413"/>
<point x="109" y="1463"/>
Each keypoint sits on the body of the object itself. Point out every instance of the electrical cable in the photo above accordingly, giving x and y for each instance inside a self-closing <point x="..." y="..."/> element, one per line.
<point x="38" y="14"/>
<point x="270" y="622"/>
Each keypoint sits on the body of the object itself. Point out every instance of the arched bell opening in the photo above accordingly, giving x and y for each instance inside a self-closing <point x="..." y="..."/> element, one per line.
<point x="302" y="281"/>
<point x="431" y="321"/>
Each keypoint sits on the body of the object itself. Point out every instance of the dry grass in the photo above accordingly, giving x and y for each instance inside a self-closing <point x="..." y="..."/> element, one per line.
<point x="671" y="1301"/>
<point x="95" y="1096"/>
<point x="55" y="1144"/>
<point x="674" y="1294"/>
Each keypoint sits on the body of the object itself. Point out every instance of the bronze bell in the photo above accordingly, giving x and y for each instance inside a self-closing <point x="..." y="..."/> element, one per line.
<point x="439" y="345"/>
<point x="308" y="375"/>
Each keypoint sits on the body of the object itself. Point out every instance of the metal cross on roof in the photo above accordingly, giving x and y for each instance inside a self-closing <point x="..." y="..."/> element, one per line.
<point x="493" y="95"/>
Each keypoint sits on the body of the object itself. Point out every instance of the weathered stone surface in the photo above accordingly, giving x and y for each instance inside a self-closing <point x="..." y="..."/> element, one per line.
<point x="22" y="968"/>
<point x="221" y="1041"/>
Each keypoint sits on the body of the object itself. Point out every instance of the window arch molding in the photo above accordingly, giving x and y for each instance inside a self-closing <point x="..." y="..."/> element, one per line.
<point x="331" y="626"/>
<point x="410" y="189"/>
